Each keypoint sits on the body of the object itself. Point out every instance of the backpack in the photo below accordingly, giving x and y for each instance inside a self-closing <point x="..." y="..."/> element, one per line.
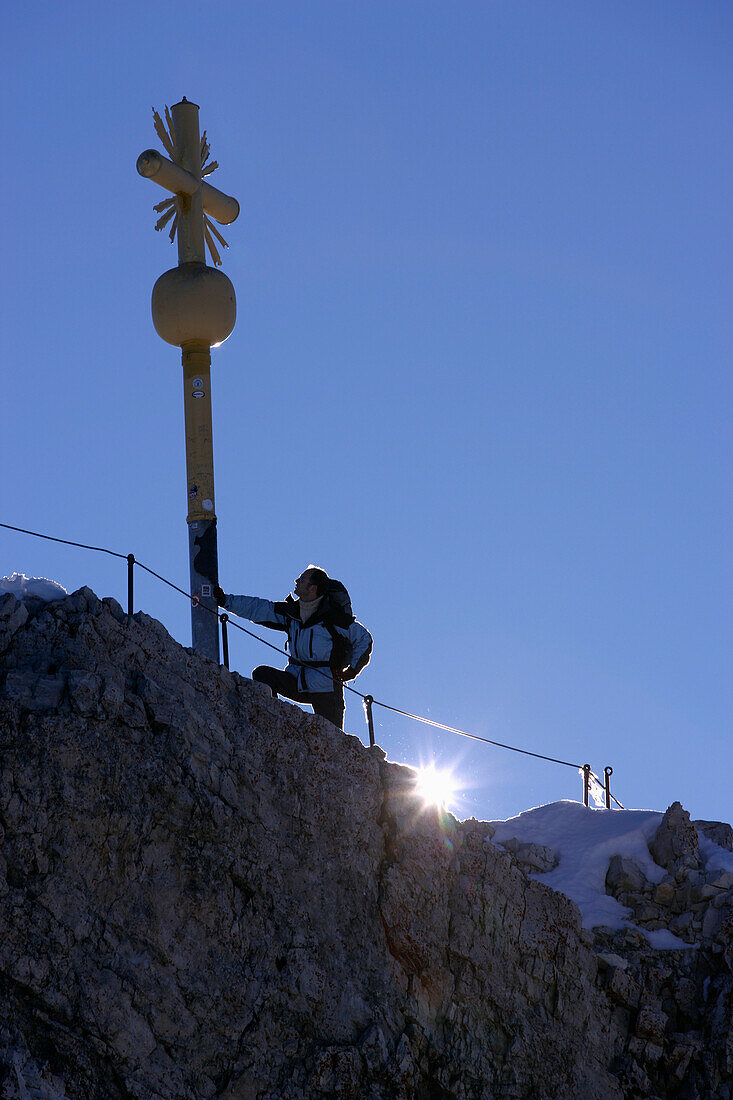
<point x="340" y="612"/>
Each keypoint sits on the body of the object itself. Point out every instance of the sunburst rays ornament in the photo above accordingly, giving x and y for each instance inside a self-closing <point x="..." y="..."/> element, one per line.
<point x="179" y="203"/>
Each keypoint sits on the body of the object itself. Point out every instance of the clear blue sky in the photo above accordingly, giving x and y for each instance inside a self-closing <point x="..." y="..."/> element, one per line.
<point x="481" y="369"/>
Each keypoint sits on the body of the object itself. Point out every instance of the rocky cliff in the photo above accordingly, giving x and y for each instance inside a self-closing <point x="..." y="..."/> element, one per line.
<point x="207" y="893"/>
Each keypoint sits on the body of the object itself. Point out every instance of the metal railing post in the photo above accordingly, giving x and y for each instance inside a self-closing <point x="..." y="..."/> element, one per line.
<point x="224" y="619"/>
<point x="586" y="783"/>
<point x="607" y="773"/>
<point x="368" y="700"/>
<point x="130" y="596"/>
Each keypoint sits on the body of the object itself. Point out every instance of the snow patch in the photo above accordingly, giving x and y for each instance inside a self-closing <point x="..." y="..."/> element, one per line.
<point x="715" y="857"/>
<point x="23" y="587"/>
<point x="584" y="840"/>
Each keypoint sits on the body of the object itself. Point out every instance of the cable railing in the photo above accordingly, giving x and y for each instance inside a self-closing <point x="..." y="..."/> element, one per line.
<point x="593" y="787"/>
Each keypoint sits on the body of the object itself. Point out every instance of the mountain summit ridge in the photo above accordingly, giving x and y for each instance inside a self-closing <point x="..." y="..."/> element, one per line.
<point x="208" y="893"/>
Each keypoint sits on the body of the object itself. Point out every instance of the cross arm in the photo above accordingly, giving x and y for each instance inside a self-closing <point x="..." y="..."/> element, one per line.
<point x="153" y="166"/>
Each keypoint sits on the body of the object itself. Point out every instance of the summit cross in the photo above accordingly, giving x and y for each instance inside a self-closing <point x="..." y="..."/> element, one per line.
<point x="194" y="308"/>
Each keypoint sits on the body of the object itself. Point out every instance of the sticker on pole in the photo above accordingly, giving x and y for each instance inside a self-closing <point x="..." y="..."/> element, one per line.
<point x="195" y="601"/>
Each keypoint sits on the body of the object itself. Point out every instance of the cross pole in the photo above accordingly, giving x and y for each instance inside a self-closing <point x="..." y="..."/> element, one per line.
<point x="194" y="308"/>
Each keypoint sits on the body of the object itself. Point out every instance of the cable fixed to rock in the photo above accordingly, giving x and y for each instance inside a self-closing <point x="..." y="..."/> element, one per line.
<point x="369" y="700"/>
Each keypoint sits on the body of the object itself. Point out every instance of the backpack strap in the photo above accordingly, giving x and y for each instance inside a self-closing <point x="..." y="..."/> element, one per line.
<point x="339" y="646"/>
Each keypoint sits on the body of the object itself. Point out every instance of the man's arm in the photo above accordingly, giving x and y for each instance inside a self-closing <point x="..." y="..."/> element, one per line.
<point x="361" y="650"/>
<point x="253" y="608"/>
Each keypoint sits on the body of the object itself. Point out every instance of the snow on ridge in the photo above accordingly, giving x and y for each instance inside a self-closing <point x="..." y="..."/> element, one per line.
<point x="715" y="857"/>
<point x="584" y="840"/>
<point x="23" y="587"/>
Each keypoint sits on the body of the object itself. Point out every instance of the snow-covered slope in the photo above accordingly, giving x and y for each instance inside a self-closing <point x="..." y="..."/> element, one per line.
<point x="584" y="840"/>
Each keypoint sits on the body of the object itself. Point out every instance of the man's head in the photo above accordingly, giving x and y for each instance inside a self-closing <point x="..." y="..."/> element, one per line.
<point x="312" y="583"/>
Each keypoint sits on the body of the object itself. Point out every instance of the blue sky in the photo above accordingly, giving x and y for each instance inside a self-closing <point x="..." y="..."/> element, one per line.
<point x="480" y="369"/>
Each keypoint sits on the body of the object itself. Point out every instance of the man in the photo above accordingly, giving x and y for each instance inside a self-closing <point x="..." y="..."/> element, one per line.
<point x="326" y="645"/>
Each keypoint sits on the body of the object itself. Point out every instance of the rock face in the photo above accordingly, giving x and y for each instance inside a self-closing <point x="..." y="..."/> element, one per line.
<point x="675" y="845"/>
<point x="207" y="893"/>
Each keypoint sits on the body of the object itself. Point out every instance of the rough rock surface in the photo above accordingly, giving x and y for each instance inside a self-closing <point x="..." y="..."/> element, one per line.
<point x="207" y="893"/>
<point x="675" y="845"/>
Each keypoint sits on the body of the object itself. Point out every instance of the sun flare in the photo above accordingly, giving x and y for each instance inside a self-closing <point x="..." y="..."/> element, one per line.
<point x="436" y="788"/>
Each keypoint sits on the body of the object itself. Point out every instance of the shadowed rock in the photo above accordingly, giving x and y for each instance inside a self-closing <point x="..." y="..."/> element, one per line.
<point x="675" y="845"/>
<point x="208" y="893"/>
<point x="625" y="876"/>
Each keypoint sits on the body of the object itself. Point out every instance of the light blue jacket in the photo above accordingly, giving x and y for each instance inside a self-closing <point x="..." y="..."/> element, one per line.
<point x="310" y="644"/>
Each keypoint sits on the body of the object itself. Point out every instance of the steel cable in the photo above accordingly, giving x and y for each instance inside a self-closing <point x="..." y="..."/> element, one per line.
<point x="66" y="542"/>
<point x="263" y="641"/>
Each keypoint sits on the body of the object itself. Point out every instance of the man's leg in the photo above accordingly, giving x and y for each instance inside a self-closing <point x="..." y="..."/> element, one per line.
<point x="278" y="680"/>
<point x="329" y="704"/>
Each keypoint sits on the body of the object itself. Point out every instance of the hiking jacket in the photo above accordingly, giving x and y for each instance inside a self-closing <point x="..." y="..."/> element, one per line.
<point x="309" y="644"/>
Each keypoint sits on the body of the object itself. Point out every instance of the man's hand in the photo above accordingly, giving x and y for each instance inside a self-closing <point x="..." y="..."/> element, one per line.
<point x="219" y="595"/>
<point x="343" y="673"/>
